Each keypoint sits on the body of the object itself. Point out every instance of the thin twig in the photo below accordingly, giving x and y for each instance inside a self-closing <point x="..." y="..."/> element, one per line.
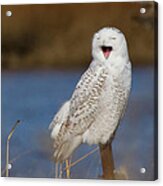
<point x="82" y="158"/>
<point x="20" y="155"/>
<point x="8" y="146"/>
<point x="67" y="169"/>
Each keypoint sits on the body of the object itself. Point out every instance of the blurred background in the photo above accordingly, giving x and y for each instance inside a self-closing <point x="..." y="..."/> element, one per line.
<point x="45" y="49"/>
<point x="51" y="36"/>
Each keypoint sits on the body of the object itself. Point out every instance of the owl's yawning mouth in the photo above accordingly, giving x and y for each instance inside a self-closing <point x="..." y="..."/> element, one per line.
<point x="106" y="50"/>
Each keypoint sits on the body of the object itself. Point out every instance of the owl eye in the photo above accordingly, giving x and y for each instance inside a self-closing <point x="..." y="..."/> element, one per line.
<point x="97" y="36"/>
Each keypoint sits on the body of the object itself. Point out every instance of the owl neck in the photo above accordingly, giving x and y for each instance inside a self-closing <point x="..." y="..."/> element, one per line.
<point x="115" y="65"/>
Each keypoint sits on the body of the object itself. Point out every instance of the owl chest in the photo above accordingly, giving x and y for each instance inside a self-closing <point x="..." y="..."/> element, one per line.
<point x="113" y="97"/>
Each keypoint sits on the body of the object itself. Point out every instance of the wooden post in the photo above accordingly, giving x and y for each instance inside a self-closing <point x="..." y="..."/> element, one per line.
<point x="107" y="161"/>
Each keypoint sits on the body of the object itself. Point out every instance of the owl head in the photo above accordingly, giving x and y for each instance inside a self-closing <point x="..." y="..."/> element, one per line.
<point x="108" y="44"/>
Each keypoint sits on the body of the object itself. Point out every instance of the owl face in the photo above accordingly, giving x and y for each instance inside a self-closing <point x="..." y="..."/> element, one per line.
<point x="107" y="44"/>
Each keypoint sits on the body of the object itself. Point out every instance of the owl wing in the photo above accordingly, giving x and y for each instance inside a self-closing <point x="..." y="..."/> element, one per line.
<point x="84" y="101"/>
<point x="80" y="112"/>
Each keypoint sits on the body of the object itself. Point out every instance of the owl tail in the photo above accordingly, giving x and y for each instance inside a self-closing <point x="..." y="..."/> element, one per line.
<point x="64" y="150"/>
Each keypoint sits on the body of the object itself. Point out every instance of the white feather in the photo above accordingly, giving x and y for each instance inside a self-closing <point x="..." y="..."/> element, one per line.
<point x="99" y="100"/>
<point x="59" y="119"/>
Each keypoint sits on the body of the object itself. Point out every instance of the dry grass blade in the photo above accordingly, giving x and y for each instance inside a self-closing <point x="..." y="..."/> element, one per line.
<point x="82" y="158"/>
<point x="67" y="169"/>
<point x="8" y="146"/>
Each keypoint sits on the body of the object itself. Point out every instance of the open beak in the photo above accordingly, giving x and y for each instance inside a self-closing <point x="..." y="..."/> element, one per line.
<point x="106" y="51"/>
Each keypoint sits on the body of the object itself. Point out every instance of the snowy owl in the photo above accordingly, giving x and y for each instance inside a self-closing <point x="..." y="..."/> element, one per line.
<point x="98" y="102"/>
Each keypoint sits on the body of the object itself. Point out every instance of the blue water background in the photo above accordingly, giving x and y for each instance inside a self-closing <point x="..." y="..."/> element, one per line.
<point x="35" y="96"/>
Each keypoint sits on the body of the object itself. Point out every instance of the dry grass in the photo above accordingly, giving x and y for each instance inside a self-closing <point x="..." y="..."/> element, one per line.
<point x="8" y="146"/>
<point x="60" y="168"/>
